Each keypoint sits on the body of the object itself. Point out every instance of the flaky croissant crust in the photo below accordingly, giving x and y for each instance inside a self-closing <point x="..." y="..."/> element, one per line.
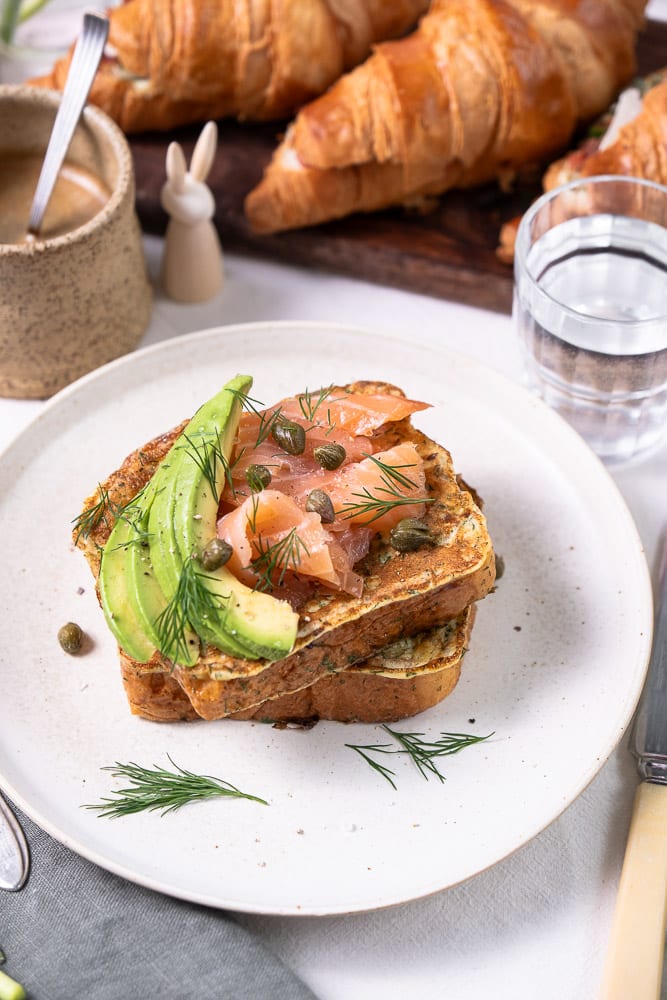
<point x="480" y="88"/>
<point x="172" y="62"/>
<point x="640" y="150"/>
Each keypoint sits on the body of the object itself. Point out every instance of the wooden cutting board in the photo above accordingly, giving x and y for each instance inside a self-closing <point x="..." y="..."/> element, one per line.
<point x="449" y="253"/>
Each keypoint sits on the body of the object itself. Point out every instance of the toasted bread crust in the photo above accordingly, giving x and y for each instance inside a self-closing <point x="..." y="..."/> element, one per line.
<point x="404" y="593"/>
<point x="367" y="692"/>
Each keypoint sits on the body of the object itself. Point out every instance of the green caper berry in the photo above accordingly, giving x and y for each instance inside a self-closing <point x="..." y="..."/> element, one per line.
<point x="70" y="637"/>
<point x="410" y="534"/>
<point x="290" y="436"/>
<point x="215" y="554"/>
<point x="330" y="456"/>
<point x="320" y="503"/>
<point x="257" y="477"/>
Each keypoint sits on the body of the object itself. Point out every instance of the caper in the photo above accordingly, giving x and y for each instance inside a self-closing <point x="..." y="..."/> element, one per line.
<point x="410" y="534"/>
<point x="320" y="503"/>
<point x="330" y="455"/>
<point x="70" y="637"/>
<point x="215" y="554"/>
<point x="257" y="477"/>
<point x="290" y="436"/>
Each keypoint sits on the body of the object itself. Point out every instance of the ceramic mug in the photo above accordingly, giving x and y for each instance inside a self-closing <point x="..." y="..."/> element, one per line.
<point x="71" y="302"/>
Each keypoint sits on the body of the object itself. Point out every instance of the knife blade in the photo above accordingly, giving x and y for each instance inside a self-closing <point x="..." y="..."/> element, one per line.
<point x="637" y="940"/>
<point x="14" y="852"/>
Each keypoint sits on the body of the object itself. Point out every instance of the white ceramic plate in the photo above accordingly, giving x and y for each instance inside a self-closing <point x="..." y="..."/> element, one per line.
<point x="555" y="668"/>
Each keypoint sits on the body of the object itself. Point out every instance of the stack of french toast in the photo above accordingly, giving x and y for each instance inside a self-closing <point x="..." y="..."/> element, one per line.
<point x="316" y="558"/>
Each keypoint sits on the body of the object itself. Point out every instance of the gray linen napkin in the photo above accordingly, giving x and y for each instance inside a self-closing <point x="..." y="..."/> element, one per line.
<point x="76" y="930"/>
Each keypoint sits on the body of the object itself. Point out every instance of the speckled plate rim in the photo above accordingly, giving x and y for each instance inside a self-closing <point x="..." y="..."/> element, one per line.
<point x="51" y="752"/>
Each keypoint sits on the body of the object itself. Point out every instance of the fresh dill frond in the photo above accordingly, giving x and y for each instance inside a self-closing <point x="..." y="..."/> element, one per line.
<point x="365" y="751"/>
<point x="386" y="498"/>
<point x="207" y="455"/>
<point x="266" y="419"/>
<point x="163" y="790"/>
<point x="189" y="609"/>
<point x="252" y="516"/>
<point x="309" y="407"/>
<point x="393" y="472"/>
<point x="89" y="519"/>
<point x="247" y="402"/>
<point x="280" y="556"/>
<point x="421" y="750"/>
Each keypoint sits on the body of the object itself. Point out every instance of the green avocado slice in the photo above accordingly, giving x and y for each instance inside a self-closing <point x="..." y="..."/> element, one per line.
<point x="131" y="597"/>
<point x="183" y="517"/>
<point x="119" y="609"/>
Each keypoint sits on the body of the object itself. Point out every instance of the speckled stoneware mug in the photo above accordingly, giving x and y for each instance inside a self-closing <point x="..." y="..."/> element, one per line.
<point x="69" y="303"/>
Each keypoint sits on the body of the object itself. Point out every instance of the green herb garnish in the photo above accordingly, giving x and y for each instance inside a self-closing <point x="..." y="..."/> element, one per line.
<point x="421" y="750"/>
<point x="190" y="607"/>
<point x="162" y="790"/>
<point x="89" y="519"/>
<point x="387" y="496"/>
<point x="266" y="420"/>
<point x="208" y="456"/>
<point x="280" y="556"/>
<point x="309" y="407"/>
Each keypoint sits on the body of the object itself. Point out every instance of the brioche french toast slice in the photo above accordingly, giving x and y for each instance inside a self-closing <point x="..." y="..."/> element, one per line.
<point x="404" y="593"/>
<point x="396" y="682"/>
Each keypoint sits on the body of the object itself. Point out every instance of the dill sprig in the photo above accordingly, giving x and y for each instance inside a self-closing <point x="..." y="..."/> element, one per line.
<point x="421" y="750"/>
<point x="89" y="519"/>
<point x="104" y="508"/>
<point x="280" y="556"/>
<point x="387" y="497"/>
<point x="209" y="456"/>
<point x="192" y="604"/>
<point x="393" y="472"/>
<point x="163" y="790"/>
<point x="309" y="407"/>
<point x="266" y="419"/>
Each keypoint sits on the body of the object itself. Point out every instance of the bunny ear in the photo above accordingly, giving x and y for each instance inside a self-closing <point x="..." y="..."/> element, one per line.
<point x="204" y="152"/>
<point x="176" y="167"/>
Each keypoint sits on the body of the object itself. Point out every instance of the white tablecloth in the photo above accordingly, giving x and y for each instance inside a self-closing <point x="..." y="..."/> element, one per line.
<point x="536" y="925"/>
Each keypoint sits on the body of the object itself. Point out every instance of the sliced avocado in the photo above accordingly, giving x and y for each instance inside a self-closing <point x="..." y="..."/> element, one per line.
<point x="118" y="607"/>
<point x="183" y="519"/>
<point x="195" y="455"/>
<point x="180" y="644"/>
<point x="131" y="597"/>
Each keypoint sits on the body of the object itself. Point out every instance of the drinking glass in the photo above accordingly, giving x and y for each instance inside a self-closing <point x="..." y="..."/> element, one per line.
<point x="590" y="307"/>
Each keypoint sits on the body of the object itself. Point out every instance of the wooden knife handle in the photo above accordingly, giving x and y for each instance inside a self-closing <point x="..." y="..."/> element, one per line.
<point x="637" y="941"/>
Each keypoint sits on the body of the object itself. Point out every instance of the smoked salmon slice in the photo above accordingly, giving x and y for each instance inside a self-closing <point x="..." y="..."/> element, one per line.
<point x="274" y="537"/>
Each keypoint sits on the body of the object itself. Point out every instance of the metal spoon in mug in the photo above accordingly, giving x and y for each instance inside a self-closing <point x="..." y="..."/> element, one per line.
<point x="83" y="67"/>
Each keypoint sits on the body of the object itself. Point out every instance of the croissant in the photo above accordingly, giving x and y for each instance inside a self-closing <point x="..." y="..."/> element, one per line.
<point x="172" y="62"/>
<point x="636" y="148"/>
<point x="639" y="149"/>
<point x="479" y="89"/>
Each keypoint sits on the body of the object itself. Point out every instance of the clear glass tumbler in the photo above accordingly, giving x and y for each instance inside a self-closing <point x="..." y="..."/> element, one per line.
<point x="590" y="307"/>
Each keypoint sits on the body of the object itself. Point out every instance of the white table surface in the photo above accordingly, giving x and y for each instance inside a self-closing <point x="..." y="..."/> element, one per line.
<point x="537" y="923"/>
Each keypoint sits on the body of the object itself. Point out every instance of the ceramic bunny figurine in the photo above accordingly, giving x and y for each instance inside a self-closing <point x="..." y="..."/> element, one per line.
<point x="192" y="266"/>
